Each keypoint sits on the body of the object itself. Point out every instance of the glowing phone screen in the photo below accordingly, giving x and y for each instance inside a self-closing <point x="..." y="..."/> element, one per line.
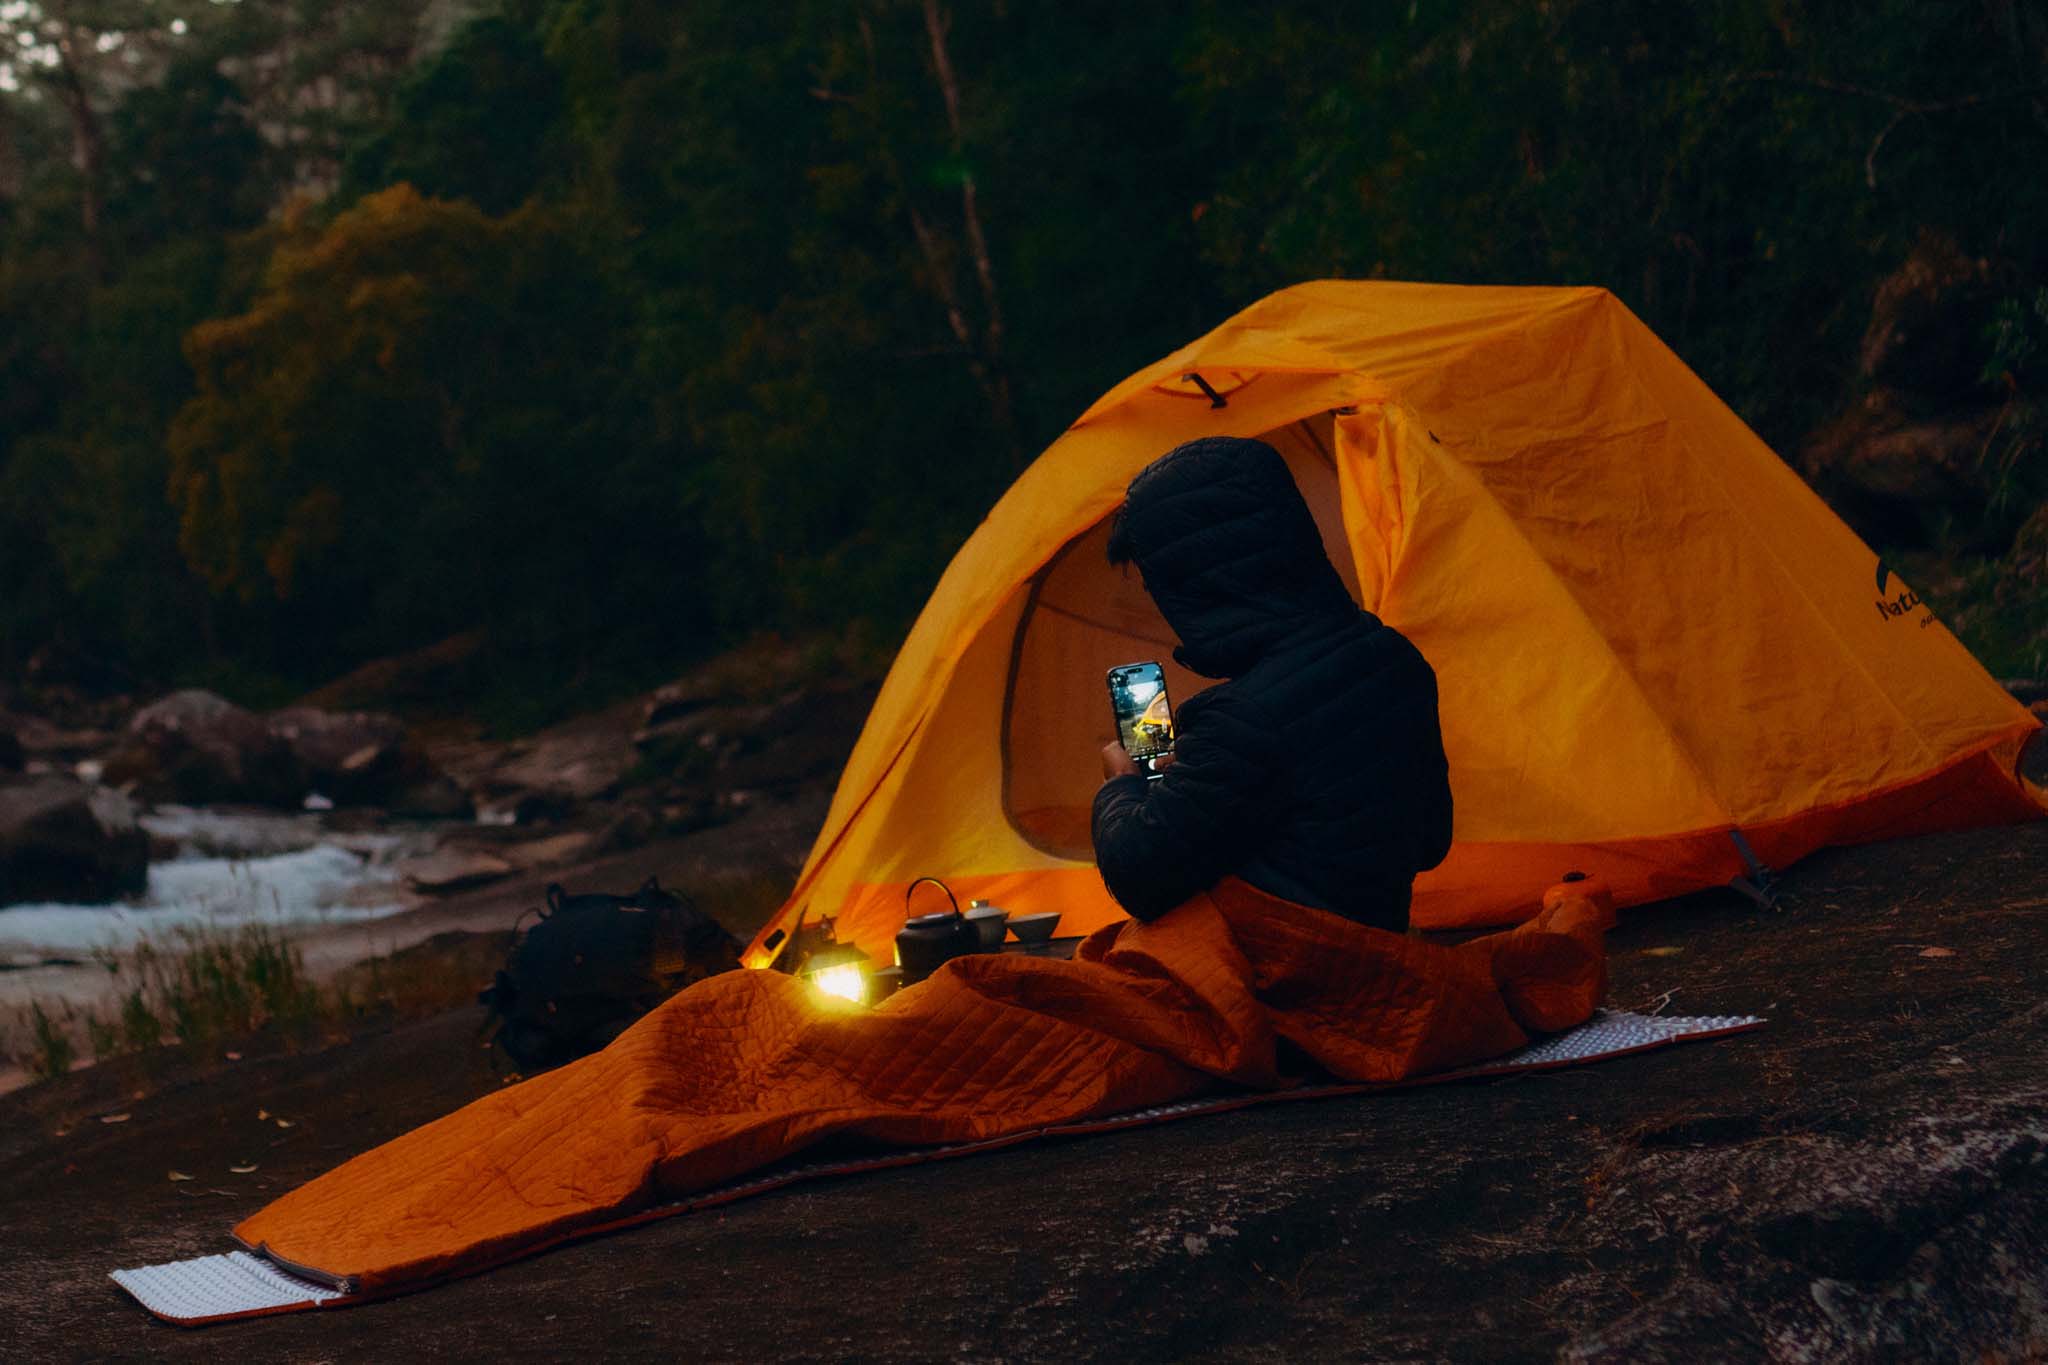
<point x="1144" y="717"/>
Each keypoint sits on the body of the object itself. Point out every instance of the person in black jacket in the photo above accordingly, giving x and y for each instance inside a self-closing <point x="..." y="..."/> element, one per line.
<point x="1316" y="772"/>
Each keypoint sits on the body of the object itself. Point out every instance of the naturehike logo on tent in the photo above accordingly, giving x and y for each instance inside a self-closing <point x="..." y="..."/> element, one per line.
<point x="1902" y="605"/>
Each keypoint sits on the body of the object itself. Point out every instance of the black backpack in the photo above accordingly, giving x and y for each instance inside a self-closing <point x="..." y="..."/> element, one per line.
<point x="595" y="963"/>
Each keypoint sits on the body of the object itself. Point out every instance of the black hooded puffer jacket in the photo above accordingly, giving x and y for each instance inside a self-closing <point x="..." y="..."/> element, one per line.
<point x="1317" y="771"/>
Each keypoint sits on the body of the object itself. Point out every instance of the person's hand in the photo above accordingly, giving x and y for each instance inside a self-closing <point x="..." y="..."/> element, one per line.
<point x="1117" y="762"/>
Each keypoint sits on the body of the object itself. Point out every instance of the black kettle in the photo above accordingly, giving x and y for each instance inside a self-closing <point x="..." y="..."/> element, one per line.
<point x="927" y="942"/>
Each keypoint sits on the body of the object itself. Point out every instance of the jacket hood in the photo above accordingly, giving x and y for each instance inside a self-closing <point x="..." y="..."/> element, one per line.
<point x="1228" y="551"/>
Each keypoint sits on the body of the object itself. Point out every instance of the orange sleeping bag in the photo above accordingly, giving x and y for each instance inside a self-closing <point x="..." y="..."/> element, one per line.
<point x="751" y="1067"/>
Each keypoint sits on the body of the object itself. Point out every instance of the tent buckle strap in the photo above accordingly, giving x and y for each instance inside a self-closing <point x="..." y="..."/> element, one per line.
<point x="1216" y="400"/>
<point x="1760" y="885"/>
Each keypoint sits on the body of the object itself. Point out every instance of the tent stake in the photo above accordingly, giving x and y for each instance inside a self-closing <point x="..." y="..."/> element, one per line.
<point x="1760" y="886"/>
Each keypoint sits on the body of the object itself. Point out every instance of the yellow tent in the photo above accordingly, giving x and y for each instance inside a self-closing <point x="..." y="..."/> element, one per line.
<point x="1659" y="654"/>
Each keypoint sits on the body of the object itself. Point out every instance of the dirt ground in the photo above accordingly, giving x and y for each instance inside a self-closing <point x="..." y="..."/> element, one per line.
<point x="1864" y="1178"/>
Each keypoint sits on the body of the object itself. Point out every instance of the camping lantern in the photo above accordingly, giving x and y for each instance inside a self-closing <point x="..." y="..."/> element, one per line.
<point x="839" y="970"/>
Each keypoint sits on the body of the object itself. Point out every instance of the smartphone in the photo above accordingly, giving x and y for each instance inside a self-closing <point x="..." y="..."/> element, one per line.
<point x="1144" y="717"/>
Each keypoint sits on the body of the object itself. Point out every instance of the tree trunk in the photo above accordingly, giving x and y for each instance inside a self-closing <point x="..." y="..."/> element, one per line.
<point x="88" y="145"/>
<point x="12" y="173"/>
<point x="991" y="348"/>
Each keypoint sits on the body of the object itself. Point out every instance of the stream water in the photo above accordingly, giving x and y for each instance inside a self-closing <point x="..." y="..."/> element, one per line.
<point x="231" y="868"/>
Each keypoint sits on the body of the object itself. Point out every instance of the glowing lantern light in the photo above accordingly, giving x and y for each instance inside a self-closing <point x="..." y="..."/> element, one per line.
<point x="839" y="971"/>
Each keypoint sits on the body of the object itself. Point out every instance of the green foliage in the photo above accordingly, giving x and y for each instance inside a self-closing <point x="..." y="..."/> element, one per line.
<point x="207" y="986"/>
<point x="186" y="162"/>
<point x="1740" y="173"/>
<point x="475" y="122"/>
<point x="1997" y="608"/>
<point x="420" y="394"/>
<point x="2012" y="459"/>
<point x="2018" y="341"/>
<point x="624" y="330"/>
<point x="200" y="990"/>
<point x="49" y="1050"/>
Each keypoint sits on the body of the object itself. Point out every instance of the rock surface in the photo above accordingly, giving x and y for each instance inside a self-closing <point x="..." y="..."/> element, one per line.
<point x="63" y="840"/>
<point x="1909" y="455"/>
<point x="353" y="757"/>
<point x="764" y="720"/>
<point x="436" y="677"/>
<point x="367" y="758"/>
<point x="195" y="747"/>
<point x="449" y="870"/>
<point x="1864" y="1171"/>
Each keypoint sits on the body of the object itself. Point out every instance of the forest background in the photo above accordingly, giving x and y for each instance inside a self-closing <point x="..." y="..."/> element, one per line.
<point x="603" y="333"/>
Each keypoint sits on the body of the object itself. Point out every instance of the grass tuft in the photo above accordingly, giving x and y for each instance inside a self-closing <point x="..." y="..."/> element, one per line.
<point x="201" y="989"/>
<point x="50" y="1051"/>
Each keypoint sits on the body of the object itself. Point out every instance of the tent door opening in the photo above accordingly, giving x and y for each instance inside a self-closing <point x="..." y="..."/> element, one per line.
<point x="1084" y="616"/>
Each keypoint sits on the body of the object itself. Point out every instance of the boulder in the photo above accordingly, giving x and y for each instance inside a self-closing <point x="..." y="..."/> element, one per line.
<point x="448" y="870"/>
<point x="556" y="850"/>
<point x="678" y="699"/>
<point x="428" y="679"/>
<point x="63" y="840"/>
<point x="430" y="795"/>
<point x="352" y="757"/>
<point x="548" y="775"/>
<point x="365" y="758"/>
<point x="69" y="668"/>
<point x="500" y="803"/>
<point x="688" y="814"/>
<point x="195" y="747"/>
<point x="629" y="829"/>
<point x="683" y="744"/>
<point x="1927" y="322"/>
<point x="1891" y="469"/>
<point x="2023" y="577"/>
<point x="40" y="739"/>
<point x="1905" y="462"/>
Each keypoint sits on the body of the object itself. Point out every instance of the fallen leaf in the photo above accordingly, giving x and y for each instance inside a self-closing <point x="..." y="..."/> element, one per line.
<point x="284" y="1123"/>
<point x="233" y="1056"/>
<point x="113" y="1118"/>
<point x="243" y="1170"/>
<point x="1662" y="952"/>
<point x="1937" y="952"/>
<point x="179" y="1175"/>
<point x="262" y="1114"/>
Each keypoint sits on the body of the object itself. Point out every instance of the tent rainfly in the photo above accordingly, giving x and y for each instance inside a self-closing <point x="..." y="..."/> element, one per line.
<point x="1661" y="658"/>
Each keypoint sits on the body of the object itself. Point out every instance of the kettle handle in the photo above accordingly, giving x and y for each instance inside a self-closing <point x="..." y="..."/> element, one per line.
<point x="935" y="882"/>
